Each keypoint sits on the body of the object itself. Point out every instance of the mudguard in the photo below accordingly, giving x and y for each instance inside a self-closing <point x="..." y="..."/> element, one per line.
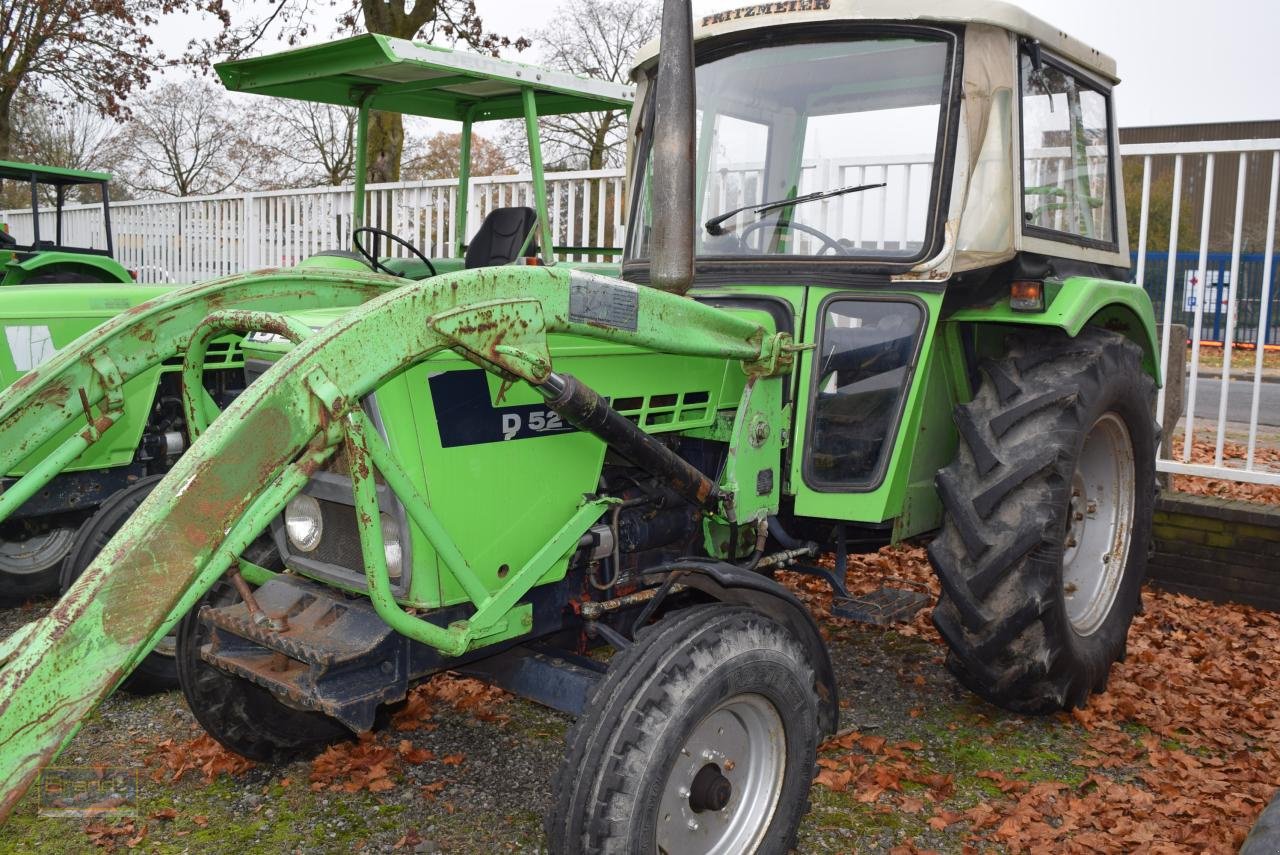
<point x="733" y="584"/>
<point x="1079" y="300"/>
<point x="98" y="268"/>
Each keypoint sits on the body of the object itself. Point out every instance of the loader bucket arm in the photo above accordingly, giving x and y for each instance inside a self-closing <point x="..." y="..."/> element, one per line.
<point x="260" y="452"/>
<point x="83" y="383"/>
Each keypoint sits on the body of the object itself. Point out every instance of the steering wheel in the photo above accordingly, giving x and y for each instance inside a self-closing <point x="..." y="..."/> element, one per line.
<point x="828" y="242"/>
<point x="378" y="265"/>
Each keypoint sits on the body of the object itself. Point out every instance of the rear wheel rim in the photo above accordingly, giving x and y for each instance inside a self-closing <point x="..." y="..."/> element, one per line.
<point x="37" y="553"/>
<point x="1099" y="524"/>
<point x="723" y="790"/>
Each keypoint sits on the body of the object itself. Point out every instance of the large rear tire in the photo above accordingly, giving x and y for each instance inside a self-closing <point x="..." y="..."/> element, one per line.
<point x="158" y="672"/>
<point x="1048" y="518"/>
<point x="701" y="738"/>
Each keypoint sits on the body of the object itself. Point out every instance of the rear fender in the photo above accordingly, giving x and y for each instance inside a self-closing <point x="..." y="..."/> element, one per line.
<point x="101" y="268"/>
<point x="1081" y="301"/>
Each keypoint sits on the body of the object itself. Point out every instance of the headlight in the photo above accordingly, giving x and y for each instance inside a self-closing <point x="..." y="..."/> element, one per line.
<point x="392" y="548"/>
<point x="303" y="523"/>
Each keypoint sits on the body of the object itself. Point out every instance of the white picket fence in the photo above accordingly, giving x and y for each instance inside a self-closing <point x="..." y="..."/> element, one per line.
<point x="194" y="239"/>
<point x="201" y="237"/>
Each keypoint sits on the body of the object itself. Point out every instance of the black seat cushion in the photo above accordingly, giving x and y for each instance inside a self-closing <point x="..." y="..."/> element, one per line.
<point x="7" y="239"/>
<point x="500" y="237"/>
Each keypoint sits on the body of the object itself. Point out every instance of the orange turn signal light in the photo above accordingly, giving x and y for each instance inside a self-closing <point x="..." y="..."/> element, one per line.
<point x="1026" y="296"/>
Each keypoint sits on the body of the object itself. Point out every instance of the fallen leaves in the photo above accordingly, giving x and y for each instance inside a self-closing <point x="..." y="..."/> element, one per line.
<point x="466" y="695"/>
<point x="363" y="764"/>
<point x="1181" y="752"/>
<point x="109" y="835"/>
<point x="202" y="754"/>
<point x="1265" y="457"/>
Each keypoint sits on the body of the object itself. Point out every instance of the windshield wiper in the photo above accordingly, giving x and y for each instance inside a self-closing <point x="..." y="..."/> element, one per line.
<point x="713" y="225"/>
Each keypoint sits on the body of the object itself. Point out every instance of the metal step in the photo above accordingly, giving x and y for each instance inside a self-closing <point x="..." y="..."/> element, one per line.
<point x="881" y="607"/>
<point x="335" y="656"/>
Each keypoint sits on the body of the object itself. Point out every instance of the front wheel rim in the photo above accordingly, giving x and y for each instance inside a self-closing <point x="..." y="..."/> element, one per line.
<point x="1099" y="525"/>
<point x="723" y="789"/>
<point x="37" y="553"/>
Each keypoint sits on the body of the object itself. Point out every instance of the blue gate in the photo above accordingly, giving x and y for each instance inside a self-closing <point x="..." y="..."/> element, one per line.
<point x="1217" y="282"/>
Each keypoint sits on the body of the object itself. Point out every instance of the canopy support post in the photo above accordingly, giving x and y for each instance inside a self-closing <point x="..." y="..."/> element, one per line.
<point x="539" y="182"/>
<point x="361" y="165"/>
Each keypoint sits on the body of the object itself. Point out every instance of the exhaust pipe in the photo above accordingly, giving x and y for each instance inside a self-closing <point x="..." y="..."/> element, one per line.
<point x="671" y="243"/>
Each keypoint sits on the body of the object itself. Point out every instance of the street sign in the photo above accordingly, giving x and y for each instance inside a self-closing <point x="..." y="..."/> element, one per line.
<point x="1219" y="289"/>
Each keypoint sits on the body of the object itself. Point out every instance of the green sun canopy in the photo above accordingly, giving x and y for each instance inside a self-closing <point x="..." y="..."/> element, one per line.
<point x="15" y="171"/>
<point x="401" y="76"/>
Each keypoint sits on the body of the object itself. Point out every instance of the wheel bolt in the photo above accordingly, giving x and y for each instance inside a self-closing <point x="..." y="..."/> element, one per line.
<point x="693" y="825"/>
<point x="1092" y="507"/>
<point x="1071" y="542"/>
<point x="684" y="792"/>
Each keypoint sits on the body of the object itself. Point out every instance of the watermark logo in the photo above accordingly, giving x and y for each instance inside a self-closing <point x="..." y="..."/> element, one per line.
<point x="106" y="792"/>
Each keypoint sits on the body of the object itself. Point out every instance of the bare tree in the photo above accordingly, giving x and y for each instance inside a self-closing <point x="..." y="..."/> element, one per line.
<point x="594" y="38"/>
<point x="93" y="51"/>
<point x="72" y="136"/>
<point x="439" y="156"/>
<point x="308" y="143"/>
<point x="184" y="140"/>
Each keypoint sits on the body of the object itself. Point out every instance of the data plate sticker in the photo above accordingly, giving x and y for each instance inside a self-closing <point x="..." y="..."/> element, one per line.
<point x="601" y="301"/>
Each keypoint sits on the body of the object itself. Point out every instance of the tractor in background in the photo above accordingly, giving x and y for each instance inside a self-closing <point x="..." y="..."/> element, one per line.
<point x="873" y="288"/>
<point x="52" y="254"/>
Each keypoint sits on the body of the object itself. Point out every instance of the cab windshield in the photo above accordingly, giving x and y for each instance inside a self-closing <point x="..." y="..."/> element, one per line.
<point x="853" y="122"/>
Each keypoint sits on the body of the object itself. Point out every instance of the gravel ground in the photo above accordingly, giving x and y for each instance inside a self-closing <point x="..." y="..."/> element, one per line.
<point x="945" y="754"/>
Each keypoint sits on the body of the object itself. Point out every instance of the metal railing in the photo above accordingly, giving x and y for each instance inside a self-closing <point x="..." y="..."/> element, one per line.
<point x="195" y="238"/>
<point x="1231" y="153"/>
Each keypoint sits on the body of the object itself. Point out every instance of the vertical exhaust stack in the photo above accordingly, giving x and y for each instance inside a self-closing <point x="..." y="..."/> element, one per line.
<point x="671" y="244"/>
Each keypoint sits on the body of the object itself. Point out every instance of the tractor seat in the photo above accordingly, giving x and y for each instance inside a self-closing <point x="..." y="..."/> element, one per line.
<point x="7" y="239"/>
<point x="500" y="237"/>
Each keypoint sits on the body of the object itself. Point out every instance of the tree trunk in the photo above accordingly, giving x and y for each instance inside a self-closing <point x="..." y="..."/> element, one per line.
<point x="386" y="145"/>
<point x="6" y="124"/>
<point x="386" y="130"/>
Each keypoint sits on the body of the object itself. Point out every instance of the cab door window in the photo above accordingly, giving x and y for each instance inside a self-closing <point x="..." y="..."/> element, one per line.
<point x="862" y="371"/>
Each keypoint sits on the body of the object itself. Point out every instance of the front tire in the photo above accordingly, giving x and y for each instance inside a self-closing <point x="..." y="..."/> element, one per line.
<point x="1048" y="517"/>
<point x="701" y="738"/>
<point x="31" y="556"/>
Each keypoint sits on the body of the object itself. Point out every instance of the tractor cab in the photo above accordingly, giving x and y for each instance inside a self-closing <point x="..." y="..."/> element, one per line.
<point x="53" y="249"/>
<point x="906" y="141"/>
<point x="375" y="72"/>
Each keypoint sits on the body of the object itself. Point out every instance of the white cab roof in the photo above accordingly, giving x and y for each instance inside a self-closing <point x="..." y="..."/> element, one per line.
<point x="994" y="12"/>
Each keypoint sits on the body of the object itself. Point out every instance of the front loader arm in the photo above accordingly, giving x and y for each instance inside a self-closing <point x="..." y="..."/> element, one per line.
<point x="91" y="372"/>
<point x="260" y="452"/>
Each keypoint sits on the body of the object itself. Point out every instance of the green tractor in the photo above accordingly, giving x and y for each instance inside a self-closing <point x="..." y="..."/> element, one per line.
<point x="872" y="289"/>
<point x="58" y="259"/>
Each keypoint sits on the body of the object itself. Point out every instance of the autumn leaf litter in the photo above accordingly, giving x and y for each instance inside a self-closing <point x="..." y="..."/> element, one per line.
<point x="1179" y="755"/>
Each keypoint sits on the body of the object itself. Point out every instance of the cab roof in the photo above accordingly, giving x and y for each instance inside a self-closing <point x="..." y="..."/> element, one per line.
<point x="401" y="76"/>
<point x="997" y="13"/>
<point x="55" y="175"/>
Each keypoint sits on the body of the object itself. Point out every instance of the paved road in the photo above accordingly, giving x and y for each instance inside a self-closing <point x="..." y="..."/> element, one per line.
<point x="1239" y="400"/>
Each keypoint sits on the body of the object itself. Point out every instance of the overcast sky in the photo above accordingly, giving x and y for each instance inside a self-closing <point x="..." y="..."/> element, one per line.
<point x="1180" y="61"/>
